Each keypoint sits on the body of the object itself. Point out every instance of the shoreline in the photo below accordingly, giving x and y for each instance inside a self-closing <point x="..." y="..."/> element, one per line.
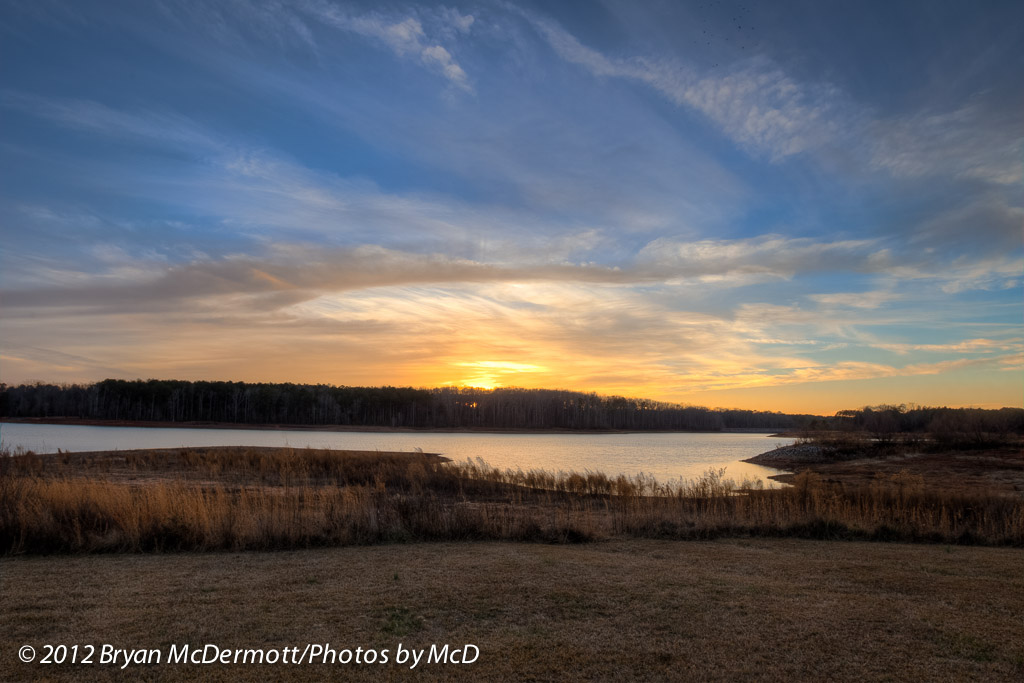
<point x="994" y="468"/>
<point x="128" y="452"/>
<point x="151" y="424"/>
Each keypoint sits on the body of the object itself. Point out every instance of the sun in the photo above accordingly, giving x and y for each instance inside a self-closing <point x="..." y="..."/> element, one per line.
<point x="493" y="374"/>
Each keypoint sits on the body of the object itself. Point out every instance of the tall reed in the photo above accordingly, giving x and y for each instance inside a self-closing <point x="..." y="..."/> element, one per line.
<point x="235" y="499"/>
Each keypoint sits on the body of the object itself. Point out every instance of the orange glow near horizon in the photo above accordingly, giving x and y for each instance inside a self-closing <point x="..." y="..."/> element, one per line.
<point x="816" y="398"/>
<point x="608" y="341"/>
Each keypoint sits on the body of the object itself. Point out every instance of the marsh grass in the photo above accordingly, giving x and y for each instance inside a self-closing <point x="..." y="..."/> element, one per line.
<point x="269" y="499"/>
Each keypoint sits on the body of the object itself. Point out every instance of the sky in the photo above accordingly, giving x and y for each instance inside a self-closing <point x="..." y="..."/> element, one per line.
<point x="801" y="206"/>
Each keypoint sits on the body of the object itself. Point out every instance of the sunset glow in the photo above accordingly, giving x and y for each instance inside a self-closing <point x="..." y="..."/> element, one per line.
<point x="793" y="210"/>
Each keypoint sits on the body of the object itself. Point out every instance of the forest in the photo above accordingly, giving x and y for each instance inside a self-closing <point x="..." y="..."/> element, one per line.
<point x="395" y="407"/>
<point x="467" y="408"/>
<point x="959" y="426"/>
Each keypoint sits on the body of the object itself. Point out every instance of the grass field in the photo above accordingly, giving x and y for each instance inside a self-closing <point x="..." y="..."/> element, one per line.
<point x="766" y="609"/>
<point x="280" y="499"/>
<point x="603" y="590"/>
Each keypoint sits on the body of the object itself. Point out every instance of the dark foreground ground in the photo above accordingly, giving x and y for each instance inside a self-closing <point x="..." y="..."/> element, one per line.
<point x="765" y="609"/>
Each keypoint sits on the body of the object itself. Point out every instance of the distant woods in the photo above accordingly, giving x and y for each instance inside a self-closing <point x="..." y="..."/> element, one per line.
<point x="471" y="408"/>
<point x="305" y="404"/>
<point x="943" y="426"/>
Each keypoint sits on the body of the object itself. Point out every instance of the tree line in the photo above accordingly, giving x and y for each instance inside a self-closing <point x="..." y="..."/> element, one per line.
<point x="322" y="404"/>
<point x="947" y="425"/>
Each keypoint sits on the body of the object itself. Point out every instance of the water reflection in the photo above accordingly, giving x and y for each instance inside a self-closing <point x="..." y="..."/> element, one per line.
<point x="665" y="456"/>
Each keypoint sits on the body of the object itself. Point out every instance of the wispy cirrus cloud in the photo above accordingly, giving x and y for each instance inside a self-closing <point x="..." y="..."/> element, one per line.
<point x="980" y="345"/>
<point x="258" y="190"/>
<point x="770" y="113"/>
<point x="771" y="255"/>
<point x="970" y="142"/>
<point x="157" y="127"/>
<point x="239" y="24"/>
<point x="278" y="197"/>
<point x="304" y="272"/>
<point x="404" y="35"/>
<point x="423" y="34"/>
<point x="754" y="103"/>
<point x="872" y="299"/>
<point x="296" y="274"/>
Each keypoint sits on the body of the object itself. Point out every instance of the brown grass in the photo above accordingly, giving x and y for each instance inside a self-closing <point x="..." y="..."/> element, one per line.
<point x="733" y="609"/>
<point x="271" y="499"/>
<point x="995" y="469"/>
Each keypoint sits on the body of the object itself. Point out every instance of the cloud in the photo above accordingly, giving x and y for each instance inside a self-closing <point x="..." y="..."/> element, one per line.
<point x="771" y="255"/>
<point x="502" y="365"/>
<point x="441" y="59"/>
<point x="771" y="114"/>
<point x="992" y="273"/>
<point x="373" y="316"/>
<point x="861" y="370"/>
<point x="754" y="103"/>
<point x="41" y="363"/>
<point x="90" y="116"/>
<point x="980" y="345"/>
<point x="801" y="342"/>
<point x="296" y="274"/>
<point x="405" y="36"/>
<point x="237" y="24"/>
<point x="455" y="21"/>
<point x="873" y="299"/>
<point x="259" y="193"/>
<point x="973" y="141"/>
<point x="266" y="195"/>
<point x="984" y="222"/>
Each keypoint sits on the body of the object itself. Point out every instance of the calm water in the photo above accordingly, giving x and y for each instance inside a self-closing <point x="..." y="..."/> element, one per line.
<point x="666" y="456"/>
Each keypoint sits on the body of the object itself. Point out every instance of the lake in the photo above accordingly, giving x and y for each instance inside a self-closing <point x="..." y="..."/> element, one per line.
<point x="664" y="455"/>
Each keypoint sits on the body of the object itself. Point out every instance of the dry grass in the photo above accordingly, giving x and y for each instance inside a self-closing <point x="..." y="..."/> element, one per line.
<point x="271" y="499"/>
<point x="738" y="609"/>
<point x="995" y="469"/>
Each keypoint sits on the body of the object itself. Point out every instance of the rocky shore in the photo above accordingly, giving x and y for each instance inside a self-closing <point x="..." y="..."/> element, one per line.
<point x="785" y="457"/>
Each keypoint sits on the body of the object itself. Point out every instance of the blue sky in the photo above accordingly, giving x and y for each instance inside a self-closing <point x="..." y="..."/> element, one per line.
<point x="794" y="205"/>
